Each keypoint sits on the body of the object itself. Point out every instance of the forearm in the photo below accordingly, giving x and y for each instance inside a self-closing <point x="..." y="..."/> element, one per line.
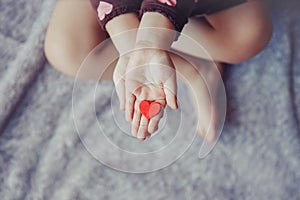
<point x="122" y="30"/>
<point x="162" y="21"/>
<point x="154" y="30"/>
<point x="116" y="17"/>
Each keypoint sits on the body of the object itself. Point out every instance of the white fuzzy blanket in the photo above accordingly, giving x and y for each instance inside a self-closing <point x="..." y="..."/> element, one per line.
<point x="42" y="157"/>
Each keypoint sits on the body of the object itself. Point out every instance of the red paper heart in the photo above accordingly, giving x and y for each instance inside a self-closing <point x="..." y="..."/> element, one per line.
<point x="148" y="109"/>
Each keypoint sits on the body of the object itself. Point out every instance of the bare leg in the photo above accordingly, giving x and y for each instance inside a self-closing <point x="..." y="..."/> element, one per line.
<point x="71" y="37"/>
<point x="72" y="33"/>
<point x="230" y="36"/>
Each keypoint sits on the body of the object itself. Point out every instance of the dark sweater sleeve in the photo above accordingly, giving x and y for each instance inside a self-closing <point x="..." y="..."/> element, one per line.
<point x="108" y="9"/>
<point x="177" y="11"/>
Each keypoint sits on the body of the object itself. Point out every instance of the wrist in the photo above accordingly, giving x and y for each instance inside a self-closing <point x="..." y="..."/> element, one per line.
<point x="122" y="31"/>
<point x="146" y="51"/>
<point x="159" y="38"/>
<point x="156" y="31"/>
<point x="124" y="42"/>
<point x="149" y="47"/>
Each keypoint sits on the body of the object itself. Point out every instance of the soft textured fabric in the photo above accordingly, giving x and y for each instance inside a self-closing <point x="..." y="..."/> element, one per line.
<point x="42" y="157"/>
<point x="108" y="9"/>
<point x="177" y="11"/>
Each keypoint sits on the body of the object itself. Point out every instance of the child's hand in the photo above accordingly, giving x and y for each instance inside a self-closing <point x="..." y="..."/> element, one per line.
<point x="150" y="75"/>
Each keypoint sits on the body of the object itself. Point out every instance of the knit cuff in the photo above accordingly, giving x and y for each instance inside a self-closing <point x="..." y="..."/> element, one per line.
<point x="177" y="13"/>
<point x="109" y="9"/>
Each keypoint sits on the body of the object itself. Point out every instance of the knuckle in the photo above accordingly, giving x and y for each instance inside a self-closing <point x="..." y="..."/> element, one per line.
<point x="135" y="126"/>
<point x="143" y="124"/>
<point x="155" y="121"/>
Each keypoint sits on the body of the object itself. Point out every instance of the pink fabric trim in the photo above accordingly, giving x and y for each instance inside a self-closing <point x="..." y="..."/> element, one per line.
<point x="168" y="2"/>
<point x="104" y="9"/>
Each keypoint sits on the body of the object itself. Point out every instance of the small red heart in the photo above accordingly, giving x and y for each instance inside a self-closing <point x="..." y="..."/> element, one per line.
<point x="148" y="109"/>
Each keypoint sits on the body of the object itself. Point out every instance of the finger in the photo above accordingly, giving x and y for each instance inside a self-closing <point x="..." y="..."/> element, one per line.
<point x="154" y="121"/>
<point x="129" y="108"/>
<point x="119" y="83"/>
<point x="135" y="121"/>
<point x="170" y="89"/>
<point x="143" y="129"/>
<point x="120" y="90"/>
<point x="148" y="136"/>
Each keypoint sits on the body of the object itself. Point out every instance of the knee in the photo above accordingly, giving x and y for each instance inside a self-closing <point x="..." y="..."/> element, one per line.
<point x="249" y="39"/>
<point x="62" y="54"/>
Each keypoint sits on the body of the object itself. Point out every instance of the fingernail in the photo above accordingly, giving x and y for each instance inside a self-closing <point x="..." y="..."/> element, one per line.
<point x="141" y="138"/>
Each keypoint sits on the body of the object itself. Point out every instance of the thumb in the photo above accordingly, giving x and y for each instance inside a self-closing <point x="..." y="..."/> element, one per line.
<point x="120" y="90"/>
<point x="170" y="89"/>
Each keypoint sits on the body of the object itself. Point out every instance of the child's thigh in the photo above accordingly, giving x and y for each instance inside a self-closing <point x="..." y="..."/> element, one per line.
<point x="72" y="33"/>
